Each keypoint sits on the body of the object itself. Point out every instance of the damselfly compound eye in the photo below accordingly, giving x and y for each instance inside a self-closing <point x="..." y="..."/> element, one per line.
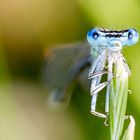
<point x="132" y="37"/>
<point x="93" y="36"/>
<point x="93" y="33"/>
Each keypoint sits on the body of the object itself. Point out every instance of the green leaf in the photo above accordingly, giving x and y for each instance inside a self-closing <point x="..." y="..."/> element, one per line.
<point x="129" y="132"/>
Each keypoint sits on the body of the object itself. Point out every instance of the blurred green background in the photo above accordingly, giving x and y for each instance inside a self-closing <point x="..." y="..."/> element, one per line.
<point x="27" y="28"/>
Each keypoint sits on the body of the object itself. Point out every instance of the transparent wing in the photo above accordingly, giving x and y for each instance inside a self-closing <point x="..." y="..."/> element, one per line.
<point x="64" y="65"/>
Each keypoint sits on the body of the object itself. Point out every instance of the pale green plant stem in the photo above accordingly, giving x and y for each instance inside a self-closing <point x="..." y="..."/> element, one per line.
<point x="118" y="90"/>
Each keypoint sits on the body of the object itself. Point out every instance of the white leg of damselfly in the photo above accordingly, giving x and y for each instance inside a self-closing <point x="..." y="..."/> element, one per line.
<point x="100" y="87"/>
<point x="93" y="108"/>
<point x="97" y="74"/>
<point x="99" y="66"/>
<point x="93" y="103"/>
<point x="95" y="62"/>
<point x="95" y="86"/>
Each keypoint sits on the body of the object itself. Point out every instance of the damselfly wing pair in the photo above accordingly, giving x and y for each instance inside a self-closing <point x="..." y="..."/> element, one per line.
<point x="80" y="62"/>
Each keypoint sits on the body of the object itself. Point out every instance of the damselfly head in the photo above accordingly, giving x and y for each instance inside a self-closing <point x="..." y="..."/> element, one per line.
<point x="111" y="39"/>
